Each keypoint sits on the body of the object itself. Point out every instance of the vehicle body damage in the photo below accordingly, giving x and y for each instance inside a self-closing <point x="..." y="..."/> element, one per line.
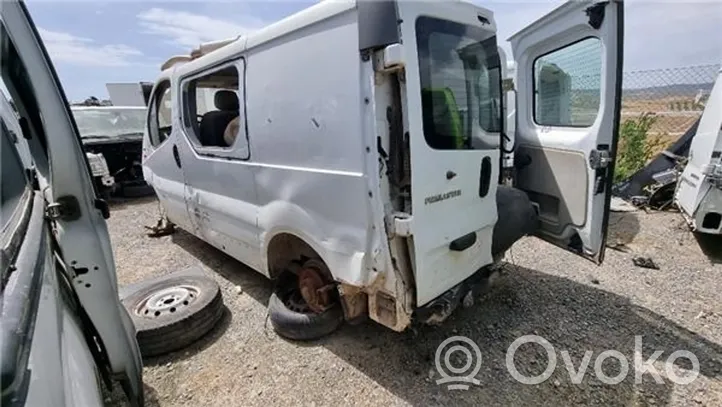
<point x="112" y="137"/>
<point x="375" y="182"/>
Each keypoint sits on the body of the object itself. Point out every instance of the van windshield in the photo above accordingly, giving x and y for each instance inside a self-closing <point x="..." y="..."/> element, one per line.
<point x="460" y="77"/>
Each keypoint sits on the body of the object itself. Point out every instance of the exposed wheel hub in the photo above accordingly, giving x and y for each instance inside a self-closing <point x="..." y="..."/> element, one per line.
<point x="314" y="290"/>
<point x="167" y="301"/>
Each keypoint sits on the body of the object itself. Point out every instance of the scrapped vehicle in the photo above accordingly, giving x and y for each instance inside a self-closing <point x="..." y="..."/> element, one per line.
<point x="699" y="189"/>
<point x="363" y="175"/>
<point x="113" y="140"/>
<point x="63" y="328"/>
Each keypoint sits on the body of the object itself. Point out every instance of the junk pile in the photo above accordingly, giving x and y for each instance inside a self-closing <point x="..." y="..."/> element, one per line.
<point x="653" y="186"/>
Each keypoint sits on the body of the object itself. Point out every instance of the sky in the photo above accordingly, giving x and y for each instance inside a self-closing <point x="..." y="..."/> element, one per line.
<point x="96" y="42"/>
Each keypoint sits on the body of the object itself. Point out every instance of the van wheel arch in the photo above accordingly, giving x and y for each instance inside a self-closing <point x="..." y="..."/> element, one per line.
<point x="286" y="249"/>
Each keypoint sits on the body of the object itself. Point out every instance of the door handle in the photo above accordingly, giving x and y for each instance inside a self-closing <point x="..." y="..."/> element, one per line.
<point x="463" y="243"/>
<point x="485" y="176"/>
<point x="176" y="156"/>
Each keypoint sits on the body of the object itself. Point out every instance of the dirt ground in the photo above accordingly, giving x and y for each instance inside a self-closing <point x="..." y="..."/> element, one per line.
<point x="573" y="304"/>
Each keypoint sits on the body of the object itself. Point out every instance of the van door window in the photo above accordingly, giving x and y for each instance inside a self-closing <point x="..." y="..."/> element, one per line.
<point x="567" y="85"/>
<point x="460" y="85"/>
<point x="211" y="108"/>
<point x="160" y="123"/>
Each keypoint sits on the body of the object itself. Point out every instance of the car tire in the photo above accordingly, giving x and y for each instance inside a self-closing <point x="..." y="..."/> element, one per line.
<point x="301" y="326"/>
<point x="172" y="313"/>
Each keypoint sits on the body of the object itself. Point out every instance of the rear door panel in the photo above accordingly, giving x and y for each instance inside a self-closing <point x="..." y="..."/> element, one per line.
<point x="453" y="188"/>
<point x="568" y="79"/>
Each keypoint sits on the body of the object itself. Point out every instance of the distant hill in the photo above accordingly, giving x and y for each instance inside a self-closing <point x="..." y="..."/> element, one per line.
<point x="677" y="90"/>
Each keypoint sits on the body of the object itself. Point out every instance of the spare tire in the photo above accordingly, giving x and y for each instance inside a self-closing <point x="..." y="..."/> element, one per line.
<point x="172" y="313"/>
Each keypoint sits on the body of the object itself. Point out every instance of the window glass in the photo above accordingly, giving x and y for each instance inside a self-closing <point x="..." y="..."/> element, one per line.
<point x="12" y="173"/>
<point x="160" y="123"/>
<point x="211" y="108"/>
<point x="110" y="122"/>
<point x="460" y="85"/>
<point x="164" y="109"/>
<point x="567" y="85"/>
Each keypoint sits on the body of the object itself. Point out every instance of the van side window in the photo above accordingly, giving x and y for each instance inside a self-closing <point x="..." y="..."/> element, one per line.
<point x="211" y="108"/>
<point x="567" y="85"/>
<point x="160" y="123"/>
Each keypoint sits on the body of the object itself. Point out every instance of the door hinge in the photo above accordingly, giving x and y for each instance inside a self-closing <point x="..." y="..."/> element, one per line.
<point x="399" y="224"/>
<point x="66" y="208"/>
<point x="599" y="159"/>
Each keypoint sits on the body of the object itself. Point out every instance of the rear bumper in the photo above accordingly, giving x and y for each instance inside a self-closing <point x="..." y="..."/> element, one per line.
<point x="437" y="310"/>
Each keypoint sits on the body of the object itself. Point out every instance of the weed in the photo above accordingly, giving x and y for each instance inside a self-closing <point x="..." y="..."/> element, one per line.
<point x="636" y="147"/>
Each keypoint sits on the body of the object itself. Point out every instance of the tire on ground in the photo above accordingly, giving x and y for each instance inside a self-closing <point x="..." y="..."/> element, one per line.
<point x="193" y="306"/>
<point x="300" y="326"/>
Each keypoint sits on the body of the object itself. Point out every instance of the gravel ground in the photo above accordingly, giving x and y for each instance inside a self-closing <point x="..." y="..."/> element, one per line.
<point x="575" y="305"/>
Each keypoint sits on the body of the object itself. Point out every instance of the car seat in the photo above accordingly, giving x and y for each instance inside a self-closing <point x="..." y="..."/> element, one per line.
<point x="443" y="127"/>
<point x="214" y="123"/>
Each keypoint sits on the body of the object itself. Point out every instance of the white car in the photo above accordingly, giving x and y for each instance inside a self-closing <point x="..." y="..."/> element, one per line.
<point x="63" y="328"/>
<point x="352" y="151"/>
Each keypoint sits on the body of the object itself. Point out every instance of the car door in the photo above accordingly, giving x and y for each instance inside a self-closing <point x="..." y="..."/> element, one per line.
<point x="67" y="223"/>
<point x="162" y="165"/>
<point x="220" y="194"/>
<point x="568" y="81"/>
<point x="454" y="124"/>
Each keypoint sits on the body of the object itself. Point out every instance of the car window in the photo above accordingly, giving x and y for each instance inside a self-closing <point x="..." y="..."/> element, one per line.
<point x="160" y="123"/>
<point x="567" y="85"/>
<point x="211" y="108"/>
<point x="460" y="85"/>
<point x="12" y="174"/>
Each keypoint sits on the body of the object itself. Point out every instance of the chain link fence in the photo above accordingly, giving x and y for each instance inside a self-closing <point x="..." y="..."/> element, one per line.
<point x="676" y="97"/>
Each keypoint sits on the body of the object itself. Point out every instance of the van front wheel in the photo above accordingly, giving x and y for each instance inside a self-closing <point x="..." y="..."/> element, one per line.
<point x="292" y="317"/>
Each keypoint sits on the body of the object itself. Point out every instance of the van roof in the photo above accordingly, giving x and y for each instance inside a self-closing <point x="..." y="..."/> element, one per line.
<point x="313" y="14"/>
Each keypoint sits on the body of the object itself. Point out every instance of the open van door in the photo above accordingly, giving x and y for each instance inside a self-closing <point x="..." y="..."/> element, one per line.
<point x="568" y="81"/>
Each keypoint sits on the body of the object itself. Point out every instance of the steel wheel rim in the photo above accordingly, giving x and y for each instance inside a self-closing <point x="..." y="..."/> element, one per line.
<point x="167" y="301"/>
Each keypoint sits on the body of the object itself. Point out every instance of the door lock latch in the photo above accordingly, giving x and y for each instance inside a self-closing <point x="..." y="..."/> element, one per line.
<point x="599" y="159"/>
<point x="66" y="208"/>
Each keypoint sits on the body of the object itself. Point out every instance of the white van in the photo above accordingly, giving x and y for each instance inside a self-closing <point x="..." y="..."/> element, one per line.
<point x="699" y="190"/>
<point x="357" y="144"/>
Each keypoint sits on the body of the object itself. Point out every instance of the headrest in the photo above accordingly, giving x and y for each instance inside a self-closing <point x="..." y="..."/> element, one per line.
<point x="225" y="100"/>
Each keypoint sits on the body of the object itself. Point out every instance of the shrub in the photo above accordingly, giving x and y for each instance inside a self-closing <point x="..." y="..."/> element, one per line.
<point x="635" y="147"/>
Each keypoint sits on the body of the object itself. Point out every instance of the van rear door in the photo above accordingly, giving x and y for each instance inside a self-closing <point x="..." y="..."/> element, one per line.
<point x="453" y="116"/>
<point x="568" y="81"/>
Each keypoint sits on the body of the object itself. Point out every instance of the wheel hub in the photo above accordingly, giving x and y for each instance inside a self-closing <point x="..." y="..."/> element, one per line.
<point x="167" y="301"/>
<point x="314" y="290"/>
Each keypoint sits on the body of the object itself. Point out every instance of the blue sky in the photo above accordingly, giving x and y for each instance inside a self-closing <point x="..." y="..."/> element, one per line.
<point x="95" y="42"/>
